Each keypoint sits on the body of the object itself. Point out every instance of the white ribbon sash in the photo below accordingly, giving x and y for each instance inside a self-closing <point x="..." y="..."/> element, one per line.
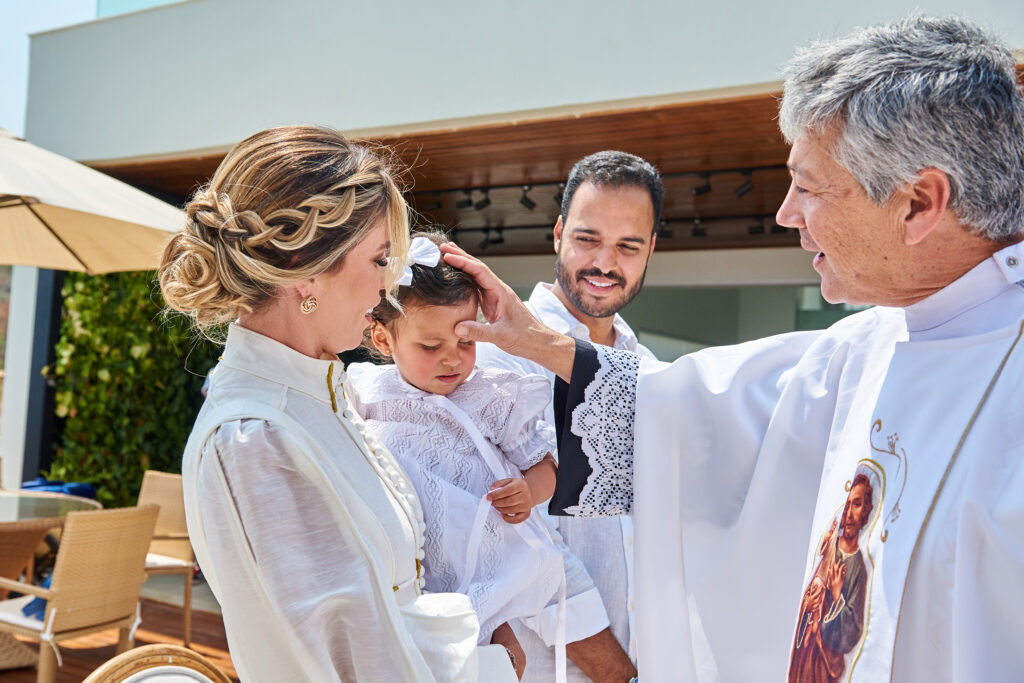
<point x="532" y="531"/>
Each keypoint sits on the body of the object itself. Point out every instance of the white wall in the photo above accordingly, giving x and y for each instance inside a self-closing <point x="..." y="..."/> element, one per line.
<point x="19" y="20"/>
<point x="206" y="73"/>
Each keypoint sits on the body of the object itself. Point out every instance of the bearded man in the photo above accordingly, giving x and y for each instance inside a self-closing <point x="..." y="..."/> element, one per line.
<point x="603" y="240"/>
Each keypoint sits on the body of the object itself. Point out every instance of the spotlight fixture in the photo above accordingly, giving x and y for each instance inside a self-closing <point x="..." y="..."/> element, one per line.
<point x="500" y="239"/>
<point x="779" y="229"/>
<point x="548" y="237"/>
<point x="486" y="241"/>
<point x="698" y="229"/>
<point x="467" y="202"/>
<point x="705" y="188"/>
<point x="745" y="187"/>
<point x="559" y="193"/>
<point x="485" y="202"/>
<point x="434" y="205"/>
<point x="756" y="228"/>
<point x="525" y="199"/>
<point x="663" y="231"/>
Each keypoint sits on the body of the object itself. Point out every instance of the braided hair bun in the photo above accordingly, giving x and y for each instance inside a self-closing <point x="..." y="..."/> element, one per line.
<point x="285" y="205"/>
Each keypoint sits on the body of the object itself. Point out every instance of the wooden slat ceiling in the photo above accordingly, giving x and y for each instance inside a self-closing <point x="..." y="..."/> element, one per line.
<point x="725" y="138"/>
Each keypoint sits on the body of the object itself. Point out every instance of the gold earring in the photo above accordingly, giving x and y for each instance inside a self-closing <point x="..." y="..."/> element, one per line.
<point x="308" y="305"/>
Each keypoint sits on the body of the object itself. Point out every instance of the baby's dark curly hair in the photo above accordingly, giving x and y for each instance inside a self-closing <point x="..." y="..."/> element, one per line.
<point x="440" y="285"/>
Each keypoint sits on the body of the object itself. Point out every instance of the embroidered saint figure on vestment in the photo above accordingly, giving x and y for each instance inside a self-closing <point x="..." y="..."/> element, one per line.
<point x="833" y="608"/>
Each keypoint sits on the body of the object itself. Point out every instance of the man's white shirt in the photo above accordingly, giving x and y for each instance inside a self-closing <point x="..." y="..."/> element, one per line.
<point x="603" y="545"/>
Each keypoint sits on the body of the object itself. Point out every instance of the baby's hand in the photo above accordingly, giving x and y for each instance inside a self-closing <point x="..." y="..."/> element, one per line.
<point x="512" y="498"/>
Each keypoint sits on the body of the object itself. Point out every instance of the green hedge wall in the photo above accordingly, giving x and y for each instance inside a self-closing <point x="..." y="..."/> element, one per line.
<point x="127" y="384"/>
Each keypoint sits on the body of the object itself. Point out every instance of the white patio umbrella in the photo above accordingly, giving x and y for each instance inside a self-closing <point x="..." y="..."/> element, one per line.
<point x="57" y="213"/>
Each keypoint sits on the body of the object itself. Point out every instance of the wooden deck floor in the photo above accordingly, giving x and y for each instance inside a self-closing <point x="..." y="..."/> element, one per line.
<point x="160" y="624"/>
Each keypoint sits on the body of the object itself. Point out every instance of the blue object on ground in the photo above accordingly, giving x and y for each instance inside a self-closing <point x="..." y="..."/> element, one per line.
<point x="71" y="488"/>
<point x="36" y="608"/>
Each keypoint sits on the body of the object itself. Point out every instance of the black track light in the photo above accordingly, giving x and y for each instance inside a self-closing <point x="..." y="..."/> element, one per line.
<point x="434" y="205"/>
<point x="559" y="193"/>
<point x="698" y="229"/>
<point x="779" y="229"/>
<point x="485" y="202"/>
<point x="663" y="231"/>
<point x="486" y="241"/>
<point x="525" y="199"/>
<point x="466" y="202"/>
<point x="745" y="187"/>
<point x="705" y="188"/>
<point x="756" y="229"/>
<point x="500" y="239"/>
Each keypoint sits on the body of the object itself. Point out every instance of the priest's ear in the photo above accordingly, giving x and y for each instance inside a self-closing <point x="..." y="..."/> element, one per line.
<point x="925" y="204"/>
<point x="381" y="337"/>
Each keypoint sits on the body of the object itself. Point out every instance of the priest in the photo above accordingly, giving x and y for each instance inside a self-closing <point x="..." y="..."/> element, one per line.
<point x="907" y="165"/>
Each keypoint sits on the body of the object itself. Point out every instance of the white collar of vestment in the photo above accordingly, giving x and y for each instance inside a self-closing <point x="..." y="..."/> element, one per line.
<point x="263" y="357"/>
<point x="982" y="284"/>
<point x="556" y="316"/>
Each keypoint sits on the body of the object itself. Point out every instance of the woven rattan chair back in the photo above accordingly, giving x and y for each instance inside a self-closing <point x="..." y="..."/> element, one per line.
<point x="100" y="566"/>
<point x="19" y="539"/>
<point x="156" y="660"/>
<point x="164" y="489"/>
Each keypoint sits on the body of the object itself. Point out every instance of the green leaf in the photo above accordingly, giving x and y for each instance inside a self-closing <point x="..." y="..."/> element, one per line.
<point x="127" y="381"/>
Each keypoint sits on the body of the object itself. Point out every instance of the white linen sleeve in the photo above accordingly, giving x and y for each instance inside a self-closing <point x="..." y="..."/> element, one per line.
<point x="526" y="438"/>
<point x="313" y="572"/>
<point x="585" y="613"/>
<point x="490" y="356"/>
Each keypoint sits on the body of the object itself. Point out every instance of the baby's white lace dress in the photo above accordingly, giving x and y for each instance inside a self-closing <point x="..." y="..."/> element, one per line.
<point x="511" y="579"/>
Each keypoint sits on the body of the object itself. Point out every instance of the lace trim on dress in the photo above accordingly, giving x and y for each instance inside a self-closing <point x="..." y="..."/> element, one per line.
<point x="604" y="423"/>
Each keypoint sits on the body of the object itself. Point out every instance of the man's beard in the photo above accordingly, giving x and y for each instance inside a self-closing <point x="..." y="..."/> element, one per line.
<point x="573" y="289"/>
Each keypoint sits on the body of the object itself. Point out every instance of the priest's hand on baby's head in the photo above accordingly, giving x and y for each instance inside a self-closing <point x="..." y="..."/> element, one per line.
<point x="512" y="498"/>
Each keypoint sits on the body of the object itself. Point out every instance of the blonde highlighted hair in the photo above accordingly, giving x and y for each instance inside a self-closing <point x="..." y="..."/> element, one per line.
<point x="285" y="205"/>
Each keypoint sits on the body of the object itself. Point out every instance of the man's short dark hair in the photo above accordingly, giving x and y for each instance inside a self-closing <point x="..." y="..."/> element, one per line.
<point x="615" y="169"/>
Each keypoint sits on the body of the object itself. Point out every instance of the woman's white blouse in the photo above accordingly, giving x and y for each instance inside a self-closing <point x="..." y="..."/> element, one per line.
<point x="307" y="529"/>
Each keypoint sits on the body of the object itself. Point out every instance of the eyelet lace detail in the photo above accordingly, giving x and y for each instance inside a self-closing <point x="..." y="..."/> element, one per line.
<point x="604" y="423"/>
<point x="510" y="579"/>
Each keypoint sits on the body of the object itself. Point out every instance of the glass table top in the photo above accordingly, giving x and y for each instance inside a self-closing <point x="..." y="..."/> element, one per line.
<point x="22" y="506"/>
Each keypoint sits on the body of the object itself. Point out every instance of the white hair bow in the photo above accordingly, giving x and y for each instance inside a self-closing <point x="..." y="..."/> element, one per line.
<point x="422" y="252"/>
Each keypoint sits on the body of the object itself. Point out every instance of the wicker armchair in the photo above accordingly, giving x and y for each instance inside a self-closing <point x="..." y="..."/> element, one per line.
<point x="170" y="552"/>
<point x="95" y="585"/>
<point x="158" y="663"/>
<point x="19" y="541"/>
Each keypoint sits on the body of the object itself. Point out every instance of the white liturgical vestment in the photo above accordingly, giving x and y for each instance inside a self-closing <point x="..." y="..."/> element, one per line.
<point x="844" y="505"/>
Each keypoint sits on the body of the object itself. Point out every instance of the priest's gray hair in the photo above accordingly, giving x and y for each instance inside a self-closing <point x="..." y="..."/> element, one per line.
<point x="918" y="93"/>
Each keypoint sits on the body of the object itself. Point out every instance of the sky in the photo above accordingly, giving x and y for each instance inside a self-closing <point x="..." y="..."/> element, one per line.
<point x="20" y="18"/>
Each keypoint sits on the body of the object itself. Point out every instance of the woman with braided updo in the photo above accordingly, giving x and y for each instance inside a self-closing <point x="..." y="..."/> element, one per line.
<point x="307" y="529"/>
